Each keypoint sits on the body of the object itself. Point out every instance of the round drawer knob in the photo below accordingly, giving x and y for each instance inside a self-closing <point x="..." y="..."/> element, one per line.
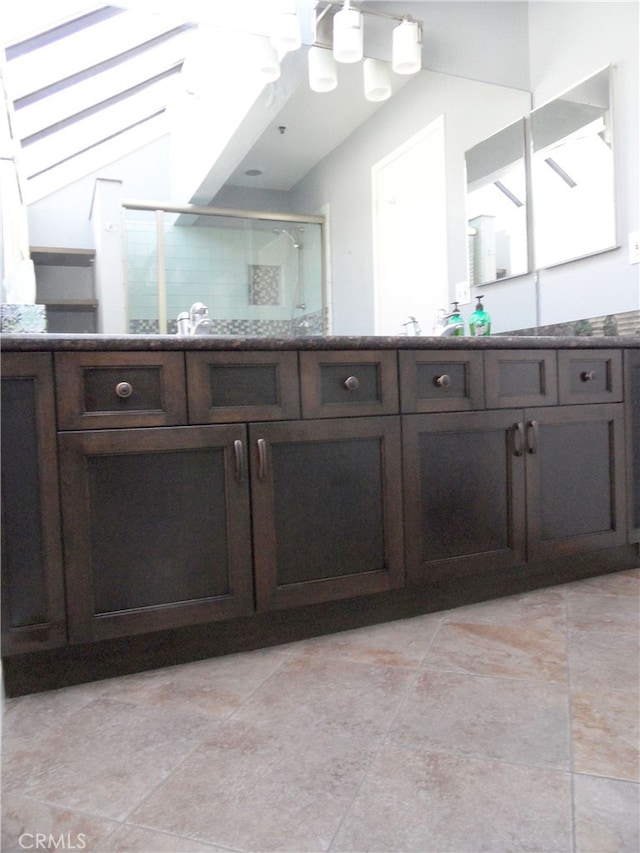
<point x="124" y="390"/>
<point x="352" y="383"/>
<point x="588" y="375"/>
<point x="443" y="381"/>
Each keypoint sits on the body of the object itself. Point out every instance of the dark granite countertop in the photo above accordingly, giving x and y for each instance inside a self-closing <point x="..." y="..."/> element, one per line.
<point x="123" y="343"/>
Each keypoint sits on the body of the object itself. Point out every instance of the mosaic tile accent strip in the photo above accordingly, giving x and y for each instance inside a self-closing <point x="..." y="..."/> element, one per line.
<point x="308" y="324"/>
<point x="627" y="323"/>
<point x="144" y="327"/>
<point x="265" y="284"/>
<point x="23" y="318"/>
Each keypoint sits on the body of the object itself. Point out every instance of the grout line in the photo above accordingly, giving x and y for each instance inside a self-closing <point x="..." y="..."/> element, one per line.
<point x="383" y="738"/>
<point x="570" y="721"/>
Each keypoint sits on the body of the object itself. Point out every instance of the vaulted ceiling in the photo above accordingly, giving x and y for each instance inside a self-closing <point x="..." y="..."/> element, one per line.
<point x="90" y="82"/>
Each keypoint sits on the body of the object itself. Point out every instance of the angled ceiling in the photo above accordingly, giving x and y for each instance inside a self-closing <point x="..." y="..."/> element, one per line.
<point x="90" y="82"/>
<point x="90" y="86"/>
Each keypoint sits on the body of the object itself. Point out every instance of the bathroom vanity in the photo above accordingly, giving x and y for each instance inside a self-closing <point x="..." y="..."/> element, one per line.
<point x="169" y="498"/>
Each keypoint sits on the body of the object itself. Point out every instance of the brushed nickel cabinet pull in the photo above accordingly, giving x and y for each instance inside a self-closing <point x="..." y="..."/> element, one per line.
<point x="518" y="439"/>
<point x="124" y="390"/>
<point x="238" y="450"/>
<point x="443" y="381"/>
<point x="262" y="458"/>
<point x="532" y="437"/>
<point x="588" y="375"/>
<point x="352" y="383"/>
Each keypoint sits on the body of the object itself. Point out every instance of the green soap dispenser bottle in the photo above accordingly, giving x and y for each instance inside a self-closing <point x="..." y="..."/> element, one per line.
<point x="455" y="319"/>
<point x="479" y="321"/>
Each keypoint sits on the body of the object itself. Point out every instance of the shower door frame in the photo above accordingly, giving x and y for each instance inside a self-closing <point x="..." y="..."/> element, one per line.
<point x="160" y="208"/>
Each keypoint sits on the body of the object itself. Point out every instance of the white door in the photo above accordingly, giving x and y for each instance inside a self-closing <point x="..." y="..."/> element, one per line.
<point x="410" y="233"/>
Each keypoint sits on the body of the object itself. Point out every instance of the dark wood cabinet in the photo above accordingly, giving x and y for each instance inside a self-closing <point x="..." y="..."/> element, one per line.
<point x="520" y="378"/>
<point x="161" y="506"/>
<point x="156" y="527"/>
<point x="348" y="384"/>
<point x="327" y="509"/>
<point x="590" y="377"/>
<point x="33" y="603"/>
<point x="464" y="493"/>
<point x="227" y="387"/>
<point x="441" y="381"/>
<point x="575" y="459"/>
<point x="512" y="486"/>
<point x="96" y="390"/>
<point x="632" y="396"/>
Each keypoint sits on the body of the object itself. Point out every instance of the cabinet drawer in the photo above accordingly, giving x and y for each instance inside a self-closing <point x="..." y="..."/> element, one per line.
<point x="242" y="386"/>
<point x="335" y="384"/>
<point x="520" y="378"/>
<point x="120" y="389"/>
<point x="440" y="382"/>
<point x="590" y="377"/>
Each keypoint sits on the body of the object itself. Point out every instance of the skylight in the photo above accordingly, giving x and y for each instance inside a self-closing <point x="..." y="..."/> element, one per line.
<point x="92" y="82"/>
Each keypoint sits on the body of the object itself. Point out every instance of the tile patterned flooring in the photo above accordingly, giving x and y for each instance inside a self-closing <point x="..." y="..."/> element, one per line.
<point x="511" y="725"/>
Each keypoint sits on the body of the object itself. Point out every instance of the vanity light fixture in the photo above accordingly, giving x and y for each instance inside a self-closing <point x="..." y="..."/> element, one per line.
<point x="285" y="35"/>
<point x="348" y="36"/>
<point x="377" y="80"/>
<point x="339" y="37"/>
<point x="407" y="47"/>
<point x="267" y="59"/>
<point x="323" y="72"/>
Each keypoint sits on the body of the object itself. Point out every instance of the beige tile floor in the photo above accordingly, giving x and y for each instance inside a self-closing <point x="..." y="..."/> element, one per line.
<point x="505" y="726"/>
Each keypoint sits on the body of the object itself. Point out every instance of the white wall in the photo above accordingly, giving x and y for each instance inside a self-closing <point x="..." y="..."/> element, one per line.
<point x="559" y="43"/>
<point x="62" y="218"/>
<point x="472" y="111"/>
<point x="569" y="42"/>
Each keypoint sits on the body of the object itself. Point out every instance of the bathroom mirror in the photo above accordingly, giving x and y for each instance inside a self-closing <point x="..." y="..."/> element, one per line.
<point x="573" y="174"/>
<point x="497" y="206"/>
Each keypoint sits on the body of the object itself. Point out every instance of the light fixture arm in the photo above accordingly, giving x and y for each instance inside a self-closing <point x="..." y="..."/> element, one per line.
<point x="328" y="4"/>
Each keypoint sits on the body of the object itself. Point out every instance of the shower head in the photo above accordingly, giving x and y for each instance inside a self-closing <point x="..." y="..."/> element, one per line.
<point x="294" y="242"/>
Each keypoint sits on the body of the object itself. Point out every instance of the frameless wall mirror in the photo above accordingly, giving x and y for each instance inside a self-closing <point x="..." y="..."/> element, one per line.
<point x="497" y="206"/>
<point x="573" y="174"/>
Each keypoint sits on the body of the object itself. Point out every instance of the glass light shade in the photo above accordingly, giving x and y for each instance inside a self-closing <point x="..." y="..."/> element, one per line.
<point x="377" y="80"/>
<point x="267" y="59"/>
<point x="407" y="48"/>
<point x="286" y="32"/>
<point x="347" y="35"/>
<point x="323" y="72"/>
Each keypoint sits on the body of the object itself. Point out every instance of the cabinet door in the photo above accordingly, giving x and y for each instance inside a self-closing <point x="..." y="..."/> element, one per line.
<point x="327" y="514"/>
<point x="463" y="493"/>
<point x="33" y="609"/>
<point x="156" y="528"/>
<point x="575" y="479"/>
<point x="632" y="396"/>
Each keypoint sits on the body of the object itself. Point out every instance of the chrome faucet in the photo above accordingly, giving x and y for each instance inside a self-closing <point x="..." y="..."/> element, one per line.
<point x="415" y="326"/>
<point x="199" y="322"/>
<point x="443" y="329"/>
<point x="195" y="321"/>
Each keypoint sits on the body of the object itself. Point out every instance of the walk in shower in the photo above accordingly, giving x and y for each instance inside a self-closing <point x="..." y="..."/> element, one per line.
<point x="259" y="274"/>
